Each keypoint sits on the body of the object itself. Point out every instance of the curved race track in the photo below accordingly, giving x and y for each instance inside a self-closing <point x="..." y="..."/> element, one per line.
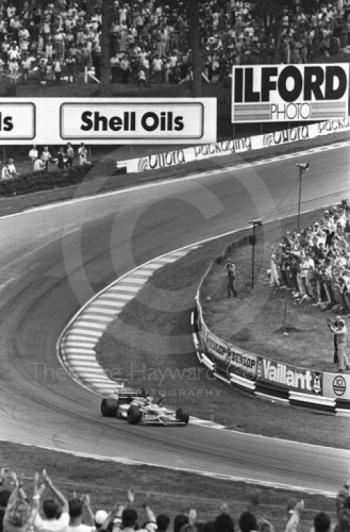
<point x="53" y="259"/>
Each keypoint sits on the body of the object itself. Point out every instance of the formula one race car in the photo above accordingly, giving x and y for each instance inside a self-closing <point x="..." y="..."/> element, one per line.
<point x="135" y="406"/>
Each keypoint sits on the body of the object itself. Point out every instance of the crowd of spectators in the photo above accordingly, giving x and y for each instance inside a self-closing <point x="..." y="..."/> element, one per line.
<point x="62" y="158"/>
<point x="48" y="510"/>
<point x="150" y="39"/>
<point x="314" y="262"/>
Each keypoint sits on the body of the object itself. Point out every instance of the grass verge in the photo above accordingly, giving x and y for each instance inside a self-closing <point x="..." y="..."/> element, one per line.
<point x="166" y="490"/>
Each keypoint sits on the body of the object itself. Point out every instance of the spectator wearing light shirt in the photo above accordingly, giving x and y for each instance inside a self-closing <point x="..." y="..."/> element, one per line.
<point x="39" y="165"/>
<point x="12" y="168"/>
<point x="307" y="265"/>
<point x="56" y="514"/>
<point x="157" y="68"/>
<point x="5" y="172"/>
<point x="46" y="157"/>
<point x="76" y="511"/>
<point x="33" y="154"/>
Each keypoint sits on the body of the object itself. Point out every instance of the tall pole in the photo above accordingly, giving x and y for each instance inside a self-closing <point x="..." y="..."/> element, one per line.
<point x="195" y="43"/>
<point x="299" y="199"/>
<point x="253" y="257"/>
<point x="105" y="46"/>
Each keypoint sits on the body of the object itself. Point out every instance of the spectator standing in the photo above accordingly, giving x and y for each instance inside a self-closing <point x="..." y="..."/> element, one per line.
<point x="99" y="518"/>
<point x="70" y="155"/>
<point x="179" y="521"/>
<point x="339" y="329"/>
<point x="61" y="159"/>
<point x="46" y="157"/>
<point x="294" y="511"/>
<point x="129" y="522"/>
<point x="18" y="513"/>
<point x="76" y="511"/>
<point x="223" y="523"/>
<point x="55" y="510"/>
<point x="231" y="276"/>
<point x="83" y="154"/>
<point x="125" y="69"/>
<point x="70" y="65"/>
<point x="163" y="522"/>
<point x="5" y="493"/>
<point x="33" y="154"/>
<point x="274" y="264"/>
<point x="342" y="504"/>
<point x="322" y="523"/>
<point x="335" y="343"/>
<point x="157" y="69"/>
<point x="57" y="68"/>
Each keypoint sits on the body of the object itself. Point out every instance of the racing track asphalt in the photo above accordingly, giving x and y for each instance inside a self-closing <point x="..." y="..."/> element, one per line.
<point x="53" y="259"/>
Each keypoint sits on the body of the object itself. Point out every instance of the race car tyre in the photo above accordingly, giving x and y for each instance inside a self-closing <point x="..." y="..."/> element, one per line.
<point x="134" y="415"/>
<point x="182" y="416"/>
<point x="109" y="407"/>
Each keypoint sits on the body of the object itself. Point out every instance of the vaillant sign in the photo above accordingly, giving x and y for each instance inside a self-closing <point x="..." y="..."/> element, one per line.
<point x="264" y="93"/>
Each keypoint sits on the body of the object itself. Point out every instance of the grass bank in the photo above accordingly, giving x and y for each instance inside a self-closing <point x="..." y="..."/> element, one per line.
<point x="166" y="491"/>
<point x="264" y="321"/>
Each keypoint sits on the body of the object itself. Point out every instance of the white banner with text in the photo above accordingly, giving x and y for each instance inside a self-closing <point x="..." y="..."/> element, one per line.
<point x="228" y="147"/>
<point x="108" y="120"/>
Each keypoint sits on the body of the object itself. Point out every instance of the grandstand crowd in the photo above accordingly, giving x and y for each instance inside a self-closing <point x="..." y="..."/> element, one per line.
<point x="150" y="40"/>
<point x="314" y="262"/>
<point x="46" y="509"/>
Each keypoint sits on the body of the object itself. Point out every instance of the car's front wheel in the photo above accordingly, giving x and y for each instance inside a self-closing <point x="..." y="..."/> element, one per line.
<point x="182" y="416"/>
<point x="134" y="415"/>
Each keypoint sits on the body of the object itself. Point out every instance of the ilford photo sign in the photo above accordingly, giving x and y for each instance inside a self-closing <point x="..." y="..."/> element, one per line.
<point x="287" y="93"/>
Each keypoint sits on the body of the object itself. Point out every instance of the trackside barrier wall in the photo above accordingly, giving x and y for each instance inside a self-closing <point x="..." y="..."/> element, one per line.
<point x="227" y="147"/>
<point x="265" y="377"/>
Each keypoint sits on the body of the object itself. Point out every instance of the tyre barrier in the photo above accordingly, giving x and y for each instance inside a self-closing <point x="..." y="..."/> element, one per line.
<point x="267" y="378"/>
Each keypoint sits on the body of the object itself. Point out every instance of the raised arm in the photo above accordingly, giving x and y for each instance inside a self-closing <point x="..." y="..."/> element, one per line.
<point x="58" y="494"/>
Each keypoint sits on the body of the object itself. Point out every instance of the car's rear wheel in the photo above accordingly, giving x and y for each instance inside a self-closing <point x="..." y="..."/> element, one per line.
<point x="134" y="415"/>
<point x="182" y="416"/>
<point x="109" y="407"/>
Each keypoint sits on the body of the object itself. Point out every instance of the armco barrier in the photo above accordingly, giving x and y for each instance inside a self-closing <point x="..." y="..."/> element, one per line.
<point x="227" y="147"/>
<point x="265" y="377"/>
